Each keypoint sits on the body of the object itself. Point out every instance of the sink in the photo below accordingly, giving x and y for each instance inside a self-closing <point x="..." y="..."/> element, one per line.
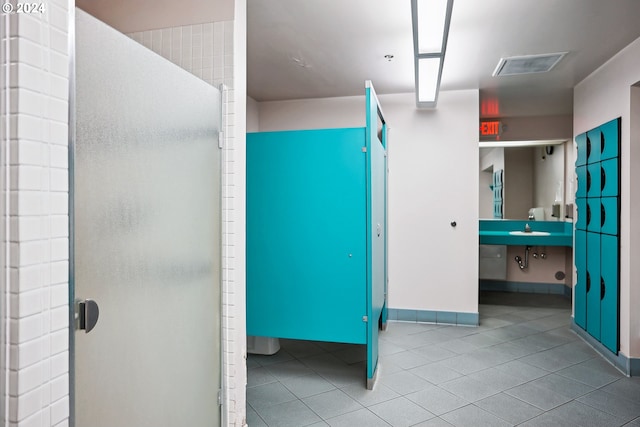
<point x="529" y="233"/>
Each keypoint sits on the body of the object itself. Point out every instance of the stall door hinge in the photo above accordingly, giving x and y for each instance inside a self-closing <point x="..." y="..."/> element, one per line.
<point x="365" y="319"/>
<point x="364" y="149"/>
<point x="220" y="397"/>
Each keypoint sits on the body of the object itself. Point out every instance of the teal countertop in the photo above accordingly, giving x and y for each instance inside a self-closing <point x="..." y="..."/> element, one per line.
<point x="496" y="232"/>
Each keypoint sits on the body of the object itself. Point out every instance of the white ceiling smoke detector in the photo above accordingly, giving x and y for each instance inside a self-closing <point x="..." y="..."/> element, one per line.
<point x="528" y="64"/>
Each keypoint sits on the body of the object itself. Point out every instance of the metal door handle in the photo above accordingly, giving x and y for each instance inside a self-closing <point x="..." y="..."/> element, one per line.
<point x="88" y="313"/>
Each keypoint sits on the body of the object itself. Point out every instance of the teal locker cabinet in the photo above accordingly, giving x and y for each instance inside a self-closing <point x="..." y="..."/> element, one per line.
<point x="316" y="234"/>
<point x="597" y="234"/>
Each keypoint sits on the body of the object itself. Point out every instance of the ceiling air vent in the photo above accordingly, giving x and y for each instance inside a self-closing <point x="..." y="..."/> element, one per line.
<point x="528" y="64"/>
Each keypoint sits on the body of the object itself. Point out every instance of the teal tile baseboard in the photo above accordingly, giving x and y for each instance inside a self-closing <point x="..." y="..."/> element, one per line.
<point x="628" y="366"/>
<point x="432" y="316"/>
<point x="526" y="287"/>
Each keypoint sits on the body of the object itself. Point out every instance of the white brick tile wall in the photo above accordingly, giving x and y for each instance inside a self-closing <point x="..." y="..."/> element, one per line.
<point x="35" y="132"/>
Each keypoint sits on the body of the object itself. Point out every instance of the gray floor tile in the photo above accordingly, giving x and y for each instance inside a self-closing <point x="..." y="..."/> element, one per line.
<point x="481" y="340"/>
<point x="331" y="404"/>
<point x="509" y="408"/>
<point x="459" y="346"/>
<point x="594" y="372"/>
<point x="540" y="397"/>
<point x="436" y="400"/>
<point x="406" y="359"/>
<point x="497" y="379"/>
<point x="404" y="382"/>
<point x="300" y="349"/>
<point x="290" y="369"/>
<point x="586" y="416"/>
<point x="253" y="419"/>
<point x="259" y="376"/>
<point x="307" y="385"/>
<point x="548" y="360"/>
<point x="386" y="348"/>
<point x="548" y="420"/>
<point x="628" y="388"/>
<point x="261" y="396"/>
<point x="401" y="412"/>
<point x="467" y="364"/>
<point x="361" y="417"/>
<point x="352" y="354"/>
<point x="434" y="422"/>
<point x="564" y="386"/>
<point x="621" y="407"/>
<point x="289" y="414"/>
<point x="379" y="394"/>
<point x="473" y="416"/>
<point x="265" y="360"/>
<point x="344" y="375"/>
<point x="434" y="353"/>
<point x="436" y="373"/>
<point x="470" y="389"/>
<point x="522" y="360"/>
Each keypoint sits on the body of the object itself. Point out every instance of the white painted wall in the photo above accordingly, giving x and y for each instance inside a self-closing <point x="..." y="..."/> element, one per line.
<point x="253" y="115"/>
<point x="603" y="96"/>
<point x="433" y="180"/>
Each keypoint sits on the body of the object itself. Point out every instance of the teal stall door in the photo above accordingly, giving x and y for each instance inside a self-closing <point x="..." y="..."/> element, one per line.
<point x="306" y="235"/>
<point x="609" y="292"/>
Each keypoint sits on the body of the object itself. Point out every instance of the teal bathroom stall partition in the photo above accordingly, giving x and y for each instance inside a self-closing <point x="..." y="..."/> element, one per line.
<point x="316" y="233"/>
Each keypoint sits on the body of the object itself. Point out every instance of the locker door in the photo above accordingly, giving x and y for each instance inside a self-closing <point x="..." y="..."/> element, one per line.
<point x="609" y="215"/>
<point x="609" y="178"/>
<point x="609" y="292"/>
<point x="594" y="174"/>
<point x="581" y="142"/>
<point x="594" y="138"/>
<point x="581" y="222"/>
<point x="593" y="284"/>
<point x="580" y="290"/>
<point x="610" y="142"/>
<point x="594" y="210"/>
<point x="582" y="190"/>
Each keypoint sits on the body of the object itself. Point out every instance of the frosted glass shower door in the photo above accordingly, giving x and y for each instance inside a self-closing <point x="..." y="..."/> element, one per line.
<point x="146" y="236"/>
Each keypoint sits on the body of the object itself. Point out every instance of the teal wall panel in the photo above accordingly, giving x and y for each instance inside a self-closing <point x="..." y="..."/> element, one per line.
<point x="609" y="326"/>
<point x="306" y="234"/>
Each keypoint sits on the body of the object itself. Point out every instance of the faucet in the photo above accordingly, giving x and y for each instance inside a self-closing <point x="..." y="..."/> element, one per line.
<point x="527" y="229"/>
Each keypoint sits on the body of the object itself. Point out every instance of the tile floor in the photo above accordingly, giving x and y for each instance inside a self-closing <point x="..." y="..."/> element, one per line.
<point x="521" y="367"/>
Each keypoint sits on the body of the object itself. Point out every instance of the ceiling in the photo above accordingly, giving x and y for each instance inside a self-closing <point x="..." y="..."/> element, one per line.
<point x="326" y="48"/>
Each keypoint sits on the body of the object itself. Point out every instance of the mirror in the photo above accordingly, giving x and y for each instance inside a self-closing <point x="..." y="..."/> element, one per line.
<point x="533" y="175"/>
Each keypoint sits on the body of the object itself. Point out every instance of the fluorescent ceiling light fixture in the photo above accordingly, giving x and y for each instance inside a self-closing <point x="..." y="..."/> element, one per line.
<point x="431" y="19"/>
<point x="428" y="71"/>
